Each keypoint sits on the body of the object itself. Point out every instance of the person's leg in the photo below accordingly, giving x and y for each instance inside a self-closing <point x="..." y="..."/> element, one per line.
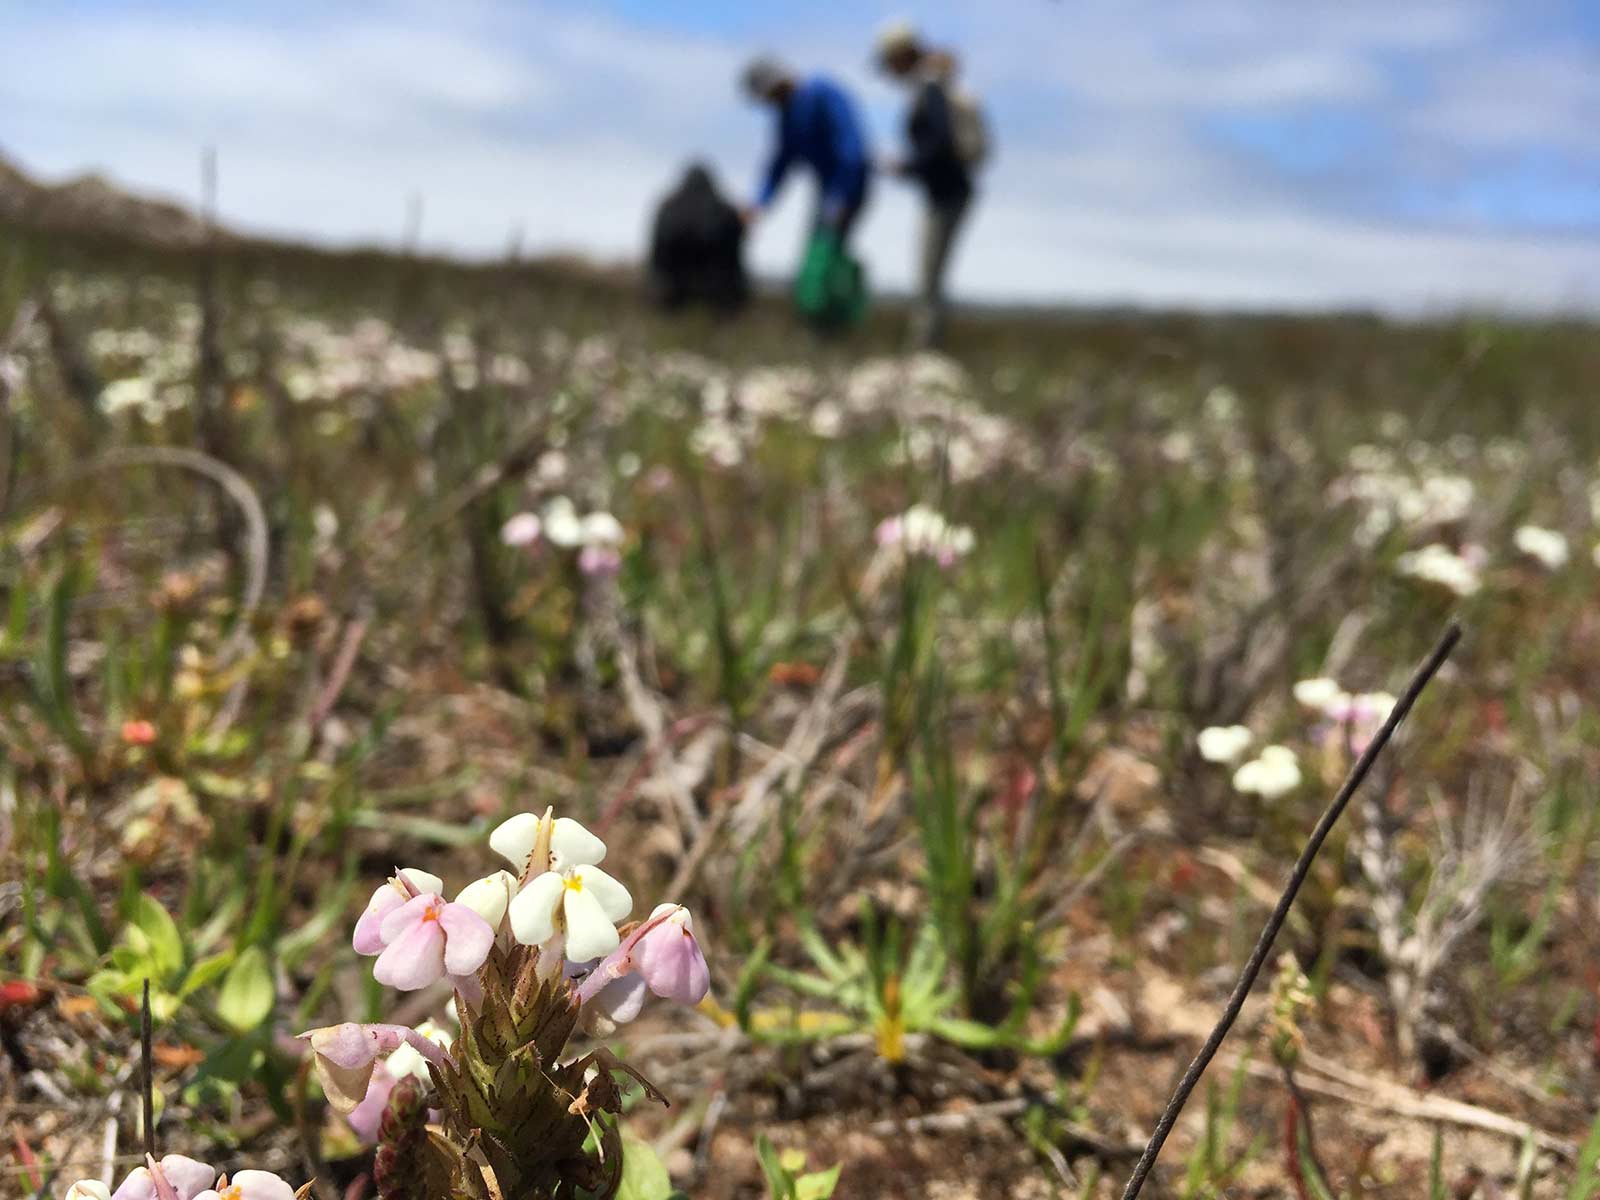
<point x="847" y="222"/>
<point x="940" y="224"/>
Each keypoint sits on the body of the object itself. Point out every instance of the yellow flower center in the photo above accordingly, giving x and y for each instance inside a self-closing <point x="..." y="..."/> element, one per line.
<point x="574" y="884"/>
<point x="431" y="913"/>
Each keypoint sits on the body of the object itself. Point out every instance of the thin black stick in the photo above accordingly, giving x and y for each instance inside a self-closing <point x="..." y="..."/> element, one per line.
<point x="147" y="1062"/>
<point x="1280" y="912"/>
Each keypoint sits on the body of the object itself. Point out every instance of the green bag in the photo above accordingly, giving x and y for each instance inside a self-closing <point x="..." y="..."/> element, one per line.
<point x="830" y="290"/>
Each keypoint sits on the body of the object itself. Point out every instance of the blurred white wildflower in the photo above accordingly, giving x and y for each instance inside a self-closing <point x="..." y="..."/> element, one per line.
<point x="628" y="464"/>
<point x="521" y="530"/>
<point x="719" y="441"/>
<point x="1437" y="564"/>
<point x="1273" y="773"/>
<point x="776" y="392"/>
<point x="1223" y="743"/>
<point x="562" y="525"/>
<point x="1546" y="546"/>
<point x="551" y="468"/>
<point x="1222" y="404"/>
<point x="122" y="394"/>
<point x="921" y="530"/>
<point x="324" y="526"/>
<point x="1178" y="446"/>
<point x="509" y="370"/>
<point x="827" y="420"/>
<point x="1319" y="694"/>
<point x="1368" y="459"/>
<point x="13" y="373"/>
<point x="1505" y="454"/>
<point x="601" y="529"/>
<point x="1392" y="425"/>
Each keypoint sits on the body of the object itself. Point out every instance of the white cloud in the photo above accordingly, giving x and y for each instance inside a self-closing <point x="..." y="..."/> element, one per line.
<point x="570" y="124"/>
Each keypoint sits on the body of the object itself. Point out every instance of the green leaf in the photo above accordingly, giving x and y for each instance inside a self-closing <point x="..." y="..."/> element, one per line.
<point x="163" y="942"/>
<point x="644" y="1177"/>
<point x="205" y="972"/>
<point x="818" y="1185"/>
<point x="246" y="996"/>
<point x="1587" y="1181"/>
<point x="779" y="1182"/>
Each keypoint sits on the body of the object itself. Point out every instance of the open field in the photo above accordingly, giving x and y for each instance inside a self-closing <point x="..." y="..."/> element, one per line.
<point x="970" y="882"/>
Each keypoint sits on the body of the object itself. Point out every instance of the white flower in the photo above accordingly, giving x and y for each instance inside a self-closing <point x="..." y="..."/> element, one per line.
<point x="121" y="394"/>
<point x="1223" y="743"/>
<point x="1438" y="564"/>
<point x="1320" y="694"/>
<point x="489" y="896"/>
<point x="551" y="468"/>
<point x="1547" y="546"/>
<point x="922" y="530"/>
<point x="562" y="525"/>
<point x="88" y="1189"/>
<point x="574" y="896"/>
<point x="601" y="529"/>
<point x="408" y="1060"/>
<point x="1273" y="773"/>
<point x="12" y="374"/>
<point x="827" y="419"/>
<point x="521" y="530"/>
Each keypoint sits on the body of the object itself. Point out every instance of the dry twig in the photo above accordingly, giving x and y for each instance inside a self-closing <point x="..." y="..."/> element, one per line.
<point x="1280" y="913"/>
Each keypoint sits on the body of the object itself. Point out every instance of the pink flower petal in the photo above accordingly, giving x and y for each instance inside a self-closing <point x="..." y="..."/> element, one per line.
<point x="137" y="1186"/>
<point x="468" y="938"/>
<point x="670" y="961"/>
<point x="188" y="1176"/>
<point x="365" y="1117"/>
<point x="413" y="959"/>
<point x="346" y="1055"/>
<point x="622" y="999"/>
<point x="260" y="1185"/>
<point x="385" y="900"/>
<point x="409" y="913"/>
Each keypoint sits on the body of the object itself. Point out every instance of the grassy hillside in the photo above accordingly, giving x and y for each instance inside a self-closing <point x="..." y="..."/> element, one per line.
<point x="970" y="881"/>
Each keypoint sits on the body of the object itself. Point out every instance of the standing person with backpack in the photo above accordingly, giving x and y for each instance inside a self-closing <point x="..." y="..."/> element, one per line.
<point x="948" y="141"/>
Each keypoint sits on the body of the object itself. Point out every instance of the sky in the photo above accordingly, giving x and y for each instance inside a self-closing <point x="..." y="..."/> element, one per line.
<point x="1414" y="156"/>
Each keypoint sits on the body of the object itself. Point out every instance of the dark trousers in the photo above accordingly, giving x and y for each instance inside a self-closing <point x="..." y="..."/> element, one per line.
<point x="846" y="221"/>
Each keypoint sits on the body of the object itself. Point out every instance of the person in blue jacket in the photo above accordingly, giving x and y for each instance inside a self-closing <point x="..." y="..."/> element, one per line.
<point x="818" y="126"/>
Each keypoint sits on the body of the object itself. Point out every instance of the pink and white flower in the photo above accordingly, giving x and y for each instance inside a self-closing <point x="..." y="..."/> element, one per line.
<point x="573" y="897"/>
<point x="521" y="530"/>
<point x="489" y="896"/>
<point x="661" y="956"/>
<point x="426" y="939"/>
<point x="408" y="882"/>
<point x="345" y="1056"/>
<point x="405" y="1060"/>
<point x="250" y="1185"/>
<point x="175" y="1175"/>
<point x="921" y="530"/>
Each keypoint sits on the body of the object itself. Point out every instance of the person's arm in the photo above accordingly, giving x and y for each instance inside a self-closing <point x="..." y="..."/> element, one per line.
<point x="777" y="166"/>
<point x="849" y="156"/>
<point x="932" y="132"/>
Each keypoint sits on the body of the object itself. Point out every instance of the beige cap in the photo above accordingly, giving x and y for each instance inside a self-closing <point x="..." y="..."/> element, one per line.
<point x="897" y="37"/>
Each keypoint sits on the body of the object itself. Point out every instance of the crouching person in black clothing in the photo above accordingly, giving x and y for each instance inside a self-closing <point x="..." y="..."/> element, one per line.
<point x="697" y="247"/>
